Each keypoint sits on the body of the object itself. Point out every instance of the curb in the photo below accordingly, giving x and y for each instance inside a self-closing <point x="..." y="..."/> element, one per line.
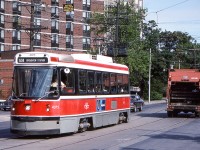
<point x="146" y="102"/>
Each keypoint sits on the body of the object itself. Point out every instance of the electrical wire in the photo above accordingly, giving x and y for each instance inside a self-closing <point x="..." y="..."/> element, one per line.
<point x="170" y="6"/>
<point x="185" y="22"/>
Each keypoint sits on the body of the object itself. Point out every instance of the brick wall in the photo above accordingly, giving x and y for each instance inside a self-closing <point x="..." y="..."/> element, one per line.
<point x="6" y="71"/>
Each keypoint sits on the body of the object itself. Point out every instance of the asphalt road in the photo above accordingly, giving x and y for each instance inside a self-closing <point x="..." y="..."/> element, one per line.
<point x="150" y="129"/>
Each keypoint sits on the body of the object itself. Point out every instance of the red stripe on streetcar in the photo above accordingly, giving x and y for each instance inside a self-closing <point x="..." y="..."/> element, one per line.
<point x="100" y="65"/>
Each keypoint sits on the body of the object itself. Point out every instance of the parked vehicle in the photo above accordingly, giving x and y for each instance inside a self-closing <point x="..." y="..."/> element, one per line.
<point x="183" y="92"/>
<point x="136" y="103"/>
<point x="5" y="104"/>
<point x="2" y="103"/>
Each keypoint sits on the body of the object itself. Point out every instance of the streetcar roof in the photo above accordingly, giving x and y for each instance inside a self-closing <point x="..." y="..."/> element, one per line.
<point x="42" y="58"/>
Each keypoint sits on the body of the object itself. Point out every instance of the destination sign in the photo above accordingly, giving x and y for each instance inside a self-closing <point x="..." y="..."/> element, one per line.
<point x="32" y="60"/>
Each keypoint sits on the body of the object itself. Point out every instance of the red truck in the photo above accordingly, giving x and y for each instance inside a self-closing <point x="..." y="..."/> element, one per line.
<point x="183" y="92"/>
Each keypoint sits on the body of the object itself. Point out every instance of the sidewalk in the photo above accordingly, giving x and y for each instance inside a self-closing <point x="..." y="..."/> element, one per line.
<point x="146" y="102"/>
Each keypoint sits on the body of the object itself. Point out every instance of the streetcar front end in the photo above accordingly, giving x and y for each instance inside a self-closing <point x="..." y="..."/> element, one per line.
<point x="36" y="104"/>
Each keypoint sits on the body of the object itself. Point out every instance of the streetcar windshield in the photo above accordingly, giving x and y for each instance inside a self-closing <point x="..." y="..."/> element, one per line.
<point x="32" y="82"/>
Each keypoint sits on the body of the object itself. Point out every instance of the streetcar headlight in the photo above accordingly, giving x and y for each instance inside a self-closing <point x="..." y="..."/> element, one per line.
<point x="47" y="107"/>
<point x="27" y="107"/>
<point x="13" y="109"/>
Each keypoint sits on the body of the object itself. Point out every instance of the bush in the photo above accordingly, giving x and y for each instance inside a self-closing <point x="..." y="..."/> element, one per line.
<point x="156" y="95"/>
<point x="156" y="90"/>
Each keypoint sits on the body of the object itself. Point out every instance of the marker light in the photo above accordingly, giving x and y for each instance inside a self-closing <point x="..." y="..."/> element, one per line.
<point x="47" y="107"/>
<point x="27" y="107"/>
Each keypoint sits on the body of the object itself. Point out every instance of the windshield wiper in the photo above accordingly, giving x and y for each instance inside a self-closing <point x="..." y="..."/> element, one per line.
<point x="47" y="93"/>
<point x="22" y="94"/>
<point x="14" y="95"/>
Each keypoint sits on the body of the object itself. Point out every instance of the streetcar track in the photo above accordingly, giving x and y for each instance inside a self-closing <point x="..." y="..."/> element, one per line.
<point x="150" y="133"/>
<point x="96" y="137"/>
<point x="17" y="137"/>
<point x="135" y="127"/>
<point x="16" y="146"/>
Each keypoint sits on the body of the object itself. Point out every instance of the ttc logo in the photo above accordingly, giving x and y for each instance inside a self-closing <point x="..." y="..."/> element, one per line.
<point x="86" y="106"/>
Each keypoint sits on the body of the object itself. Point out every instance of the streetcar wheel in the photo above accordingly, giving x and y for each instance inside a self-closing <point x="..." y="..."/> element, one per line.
<point x="83" y="126"/>
<point x="121" y="118"/>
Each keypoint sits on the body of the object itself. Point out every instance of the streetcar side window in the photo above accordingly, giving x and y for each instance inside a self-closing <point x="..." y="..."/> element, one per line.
<point x="54" y="82"/>
<point x="68" y="79"/>
<point x="82" y="81"/>
<point x="113" y="83"/>
<point x="125" y="84"/>
<point x="122" y="81"/>
<point x="90" y="83"/>
<point x="120" y="88"/>
<point x="98" y="88"/>
<point x="97" y="82"/>
<point x="106" y="83"/>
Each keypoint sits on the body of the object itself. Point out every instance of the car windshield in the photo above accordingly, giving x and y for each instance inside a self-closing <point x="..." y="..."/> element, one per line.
<point x="135" y="97"/>
<point x="32" y="82"/>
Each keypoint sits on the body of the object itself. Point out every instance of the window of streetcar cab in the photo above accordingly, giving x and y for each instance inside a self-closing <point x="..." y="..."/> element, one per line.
<point x="35" y="82"/>
<point x="67" y="81"/>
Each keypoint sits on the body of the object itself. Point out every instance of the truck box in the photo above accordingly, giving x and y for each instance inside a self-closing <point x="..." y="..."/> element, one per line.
<point x="183" y="92"/>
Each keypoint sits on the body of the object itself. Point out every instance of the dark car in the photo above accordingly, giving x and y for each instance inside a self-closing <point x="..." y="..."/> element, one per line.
<point x="136" y="103"/>
<point x="6" y="105"/>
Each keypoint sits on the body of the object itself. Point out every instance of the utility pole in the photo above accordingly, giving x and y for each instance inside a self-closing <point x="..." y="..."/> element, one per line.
<point x="117" y="31"/>
<point x="32" y="29"/>
<point x="150" y="75"/>
<point x="115" y="21"/>
<point x="32" y="26"/>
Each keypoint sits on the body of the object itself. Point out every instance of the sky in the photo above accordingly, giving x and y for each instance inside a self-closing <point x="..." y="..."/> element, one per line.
<point x="175" y="15"/>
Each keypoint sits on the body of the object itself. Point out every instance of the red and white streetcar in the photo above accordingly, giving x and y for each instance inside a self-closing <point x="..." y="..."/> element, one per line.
<point x="59" y="93"/>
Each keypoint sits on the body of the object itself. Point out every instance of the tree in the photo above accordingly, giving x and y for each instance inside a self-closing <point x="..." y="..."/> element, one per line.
<point x="126" y="27"/>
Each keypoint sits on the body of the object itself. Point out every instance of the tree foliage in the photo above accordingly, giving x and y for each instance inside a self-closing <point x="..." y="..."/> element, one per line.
<point x="168" y="48"/>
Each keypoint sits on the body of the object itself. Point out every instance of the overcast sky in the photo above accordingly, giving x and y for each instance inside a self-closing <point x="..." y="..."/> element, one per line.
<point x="175" y="15"/>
